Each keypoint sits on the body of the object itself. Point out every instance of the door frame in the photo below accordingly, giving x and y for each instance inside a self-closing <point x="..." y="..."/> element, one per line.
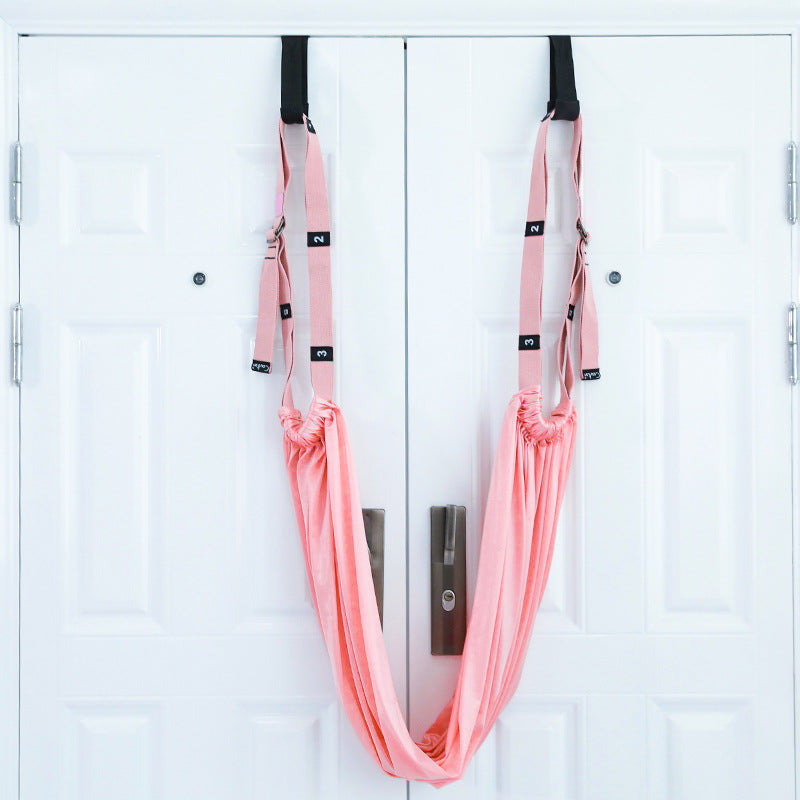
<point x="782" y="20"/>
<point x="9" y="434"/>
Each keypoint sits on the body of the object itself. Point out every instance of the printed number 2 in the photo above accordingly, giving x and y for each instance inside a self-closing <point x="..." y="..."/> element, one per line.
<point x="319" y="238"/>
<point x="534" y="227"/>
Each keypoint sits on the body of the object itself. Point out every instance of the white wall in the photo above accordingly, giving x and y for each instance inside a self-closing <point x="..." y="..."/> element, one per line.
<point x="406" y="18"/>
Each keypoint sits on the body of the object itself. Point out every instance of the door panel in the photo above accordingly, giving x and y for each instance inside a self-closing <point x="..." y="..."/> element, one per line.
<point x="169" y="646"/>
<point x="661" y="660"/>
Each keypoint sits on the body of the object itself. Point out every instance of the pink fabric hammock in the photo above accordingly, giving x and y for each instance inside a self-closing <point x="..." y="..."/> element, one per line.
<point x="527" y="486"/>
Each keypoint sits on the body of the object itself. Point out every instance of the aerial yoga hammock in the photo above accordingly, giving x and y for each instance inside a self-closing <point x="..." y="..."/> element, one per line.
<point x="529" y="476"/>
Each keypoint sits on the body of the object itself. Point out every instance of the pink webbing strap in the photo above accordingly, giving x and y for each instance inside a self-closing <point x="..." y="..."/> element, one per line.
<point x="275" y="291"/>
<point x="530" y="316"/>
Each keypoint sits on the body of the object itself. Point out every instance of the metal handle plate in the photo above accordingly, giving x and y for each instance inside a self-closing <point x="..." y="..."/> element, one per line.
<point x="448" y="580"/>
<point x="374" y="519"/>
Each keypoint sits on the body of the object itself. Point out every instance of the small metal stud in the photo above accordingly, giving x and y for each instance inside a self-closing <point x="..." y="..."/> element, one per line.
<point x="614" y="277"/>
<point x="199" y="278"/>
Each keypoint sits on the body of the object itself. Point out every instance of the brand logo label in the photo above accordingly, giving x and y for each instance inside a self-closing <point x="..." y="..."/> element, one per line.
<point x="261" y="366"/>
<point x="309" y="126"/>
<point x="535" y="228"/>
<point x="319" y="238"/>
<point x="322" y="353"/>
<point x="590" y="374"/>
<point x="529" y="341"/>
<point x="286" y="310"/>
<point x="570" y="311"/>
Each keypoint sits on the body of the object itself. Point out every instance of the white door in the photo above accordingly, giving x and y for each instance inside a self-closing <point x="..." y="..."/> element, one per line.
<point x="661" y="661"/>
<point x="169" y="648"/>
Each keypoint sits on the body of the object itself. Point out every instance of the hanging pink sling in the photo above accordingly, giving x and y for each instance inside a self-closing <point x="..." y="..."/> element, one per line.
<point x="527" y="486"/>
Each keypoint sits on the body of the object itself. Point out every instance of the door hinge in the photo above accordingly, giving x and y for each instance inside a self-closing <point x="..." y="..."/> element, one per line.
<point x="793" y="371"/>
<point x="16" y="185"/>
<point x="16" y="344"/>
<point x="792" y="183"/>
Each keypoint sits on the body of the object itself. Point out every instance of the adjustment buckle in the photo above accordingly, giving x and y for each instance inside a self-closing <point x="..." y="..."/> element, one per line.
<point x="276" y="230"/>
<point x="582" y="231"/>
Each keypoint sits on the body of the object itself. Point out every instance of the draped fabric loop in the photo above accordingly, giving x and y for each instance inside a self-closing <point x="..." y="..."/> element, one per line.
<point x="309" y="431"/>
<point x="535" y="429"/>
<point x="526" y="489"/>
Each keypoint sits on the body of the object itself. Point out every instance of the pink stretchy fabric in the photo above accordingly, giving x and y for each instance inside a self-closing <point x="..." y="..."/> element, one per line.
<point x="527" y="486"/>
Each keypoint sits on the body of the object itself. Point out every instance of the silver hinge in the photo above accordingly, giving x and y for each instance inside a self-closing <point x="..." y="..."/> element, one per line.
<point x="792" y="183"/>
<point x="16" y="344"/>
<point x="793" y="374"/>
<point x="16" y="185"/>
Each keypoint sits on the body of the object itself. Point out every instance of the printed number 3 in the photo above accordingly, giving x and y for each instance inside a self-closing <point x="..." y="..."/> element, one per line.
<point x="322" y="353"/>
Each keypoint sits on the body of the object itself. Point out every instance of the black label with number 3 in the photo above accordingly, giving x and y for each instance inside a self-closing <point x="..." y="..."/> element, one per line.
<point x="324" y="353"/>
<point x="529" y="341"/>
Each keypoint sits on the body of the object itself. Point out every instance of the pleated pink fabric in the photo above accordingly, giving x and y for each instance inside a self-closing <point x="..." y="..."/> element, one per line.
<point x="529" y="477"/>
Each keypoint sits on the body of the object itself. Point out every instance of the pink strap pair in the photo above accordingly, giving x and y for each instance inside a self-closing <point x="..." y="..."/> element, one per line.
<point x="275" y="289"/>
<point x="530" y="310"/>
<point x="529" y="477"/>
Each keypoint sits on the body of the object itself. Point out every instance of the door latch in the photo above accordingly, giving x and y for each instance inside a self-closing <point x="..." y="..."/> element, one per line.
<point x="448" y="580"/>
<point x="793" y="344"/>
<point x="16" y="344"/>
<point x="792" y="184"/>
<point x="16" y="185"/>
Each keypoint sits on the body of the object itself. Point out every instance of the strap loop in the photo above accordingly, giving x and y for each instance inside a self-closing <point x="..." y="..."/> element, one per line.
<point x="563" y="95"/>
<point x="294" y="79"/>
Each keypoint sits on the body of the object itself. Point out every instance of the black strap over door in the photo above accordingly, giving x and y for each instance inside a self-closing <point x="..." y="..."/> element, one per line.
<point x="563" y="96"/>
<point x="294" y="78"/>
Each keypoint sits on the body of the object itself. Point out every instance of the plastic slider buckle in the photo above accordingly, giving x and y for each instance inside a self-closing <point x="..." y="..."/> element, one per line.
<point x="582" y="231"/>
<point x="277" y="230"/>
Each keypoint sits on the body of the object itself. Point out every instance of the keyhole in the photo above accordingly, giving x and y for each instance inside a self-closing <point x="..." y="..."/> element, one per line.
<point x="448" y="599"/>
<point x="199" y="278"/>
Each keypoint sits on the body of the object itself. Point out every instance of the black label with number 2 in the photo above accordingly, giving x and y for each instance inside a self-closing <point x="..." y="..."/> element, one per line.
<point x="319" y="238"/>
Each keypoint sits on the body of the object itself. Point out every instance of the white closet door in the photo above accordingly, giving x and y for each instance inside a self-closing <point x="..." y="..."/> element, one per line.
<point x="169" y="647"/>
<point x="661" y="661"/>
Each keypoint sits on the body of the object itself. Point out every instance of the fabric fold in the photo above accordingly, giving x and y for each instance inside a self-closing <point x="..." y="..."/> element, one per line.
<point x="526" y="489"/>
